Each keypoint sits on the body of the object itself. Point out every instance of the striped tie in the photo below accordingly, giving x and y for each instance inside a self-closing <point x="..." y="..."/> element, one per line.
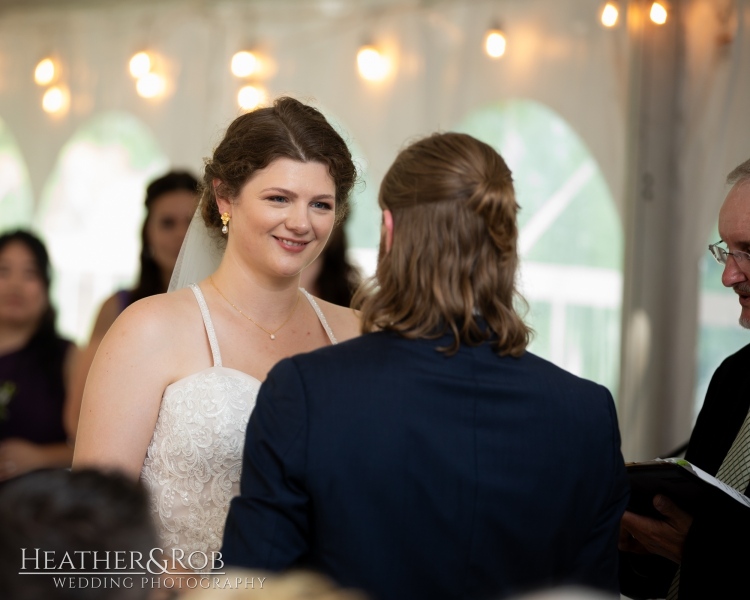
<point x="735" y="472"/>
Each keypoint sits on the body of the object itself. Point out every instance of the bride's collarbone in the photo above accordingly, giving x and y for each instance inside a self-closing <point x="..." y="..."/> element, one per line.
<point x="254" y="351"/>
<point x="257" y="347"/>
<point x="302" y="329"/>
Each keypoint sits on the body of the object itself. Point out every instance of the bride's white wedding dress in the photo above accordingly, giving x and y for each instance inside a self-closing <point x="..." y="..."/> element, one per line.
<point x="193" y="464"/>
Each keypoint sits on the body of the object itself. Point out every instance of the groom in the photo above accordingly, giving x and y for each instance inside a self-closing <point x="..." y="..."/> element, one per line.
<point x="435" y="457"/>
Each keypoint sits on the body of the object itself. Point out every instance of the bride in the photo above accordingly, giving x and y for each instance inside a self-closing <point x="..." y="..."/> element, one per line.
<point x="175" y="378"/>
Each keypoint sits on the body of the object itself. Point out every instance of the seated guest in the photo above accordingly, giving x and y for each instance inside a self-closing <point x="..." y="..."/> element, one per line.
<point x="434" y="457"/>
<point x="86" y="515"/>
<point x="35" y="362"/>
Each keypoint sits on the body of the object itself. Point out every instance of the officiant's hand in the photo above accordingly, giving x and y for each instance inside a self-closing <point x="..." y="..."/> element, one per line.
<point x="665" y="537"/>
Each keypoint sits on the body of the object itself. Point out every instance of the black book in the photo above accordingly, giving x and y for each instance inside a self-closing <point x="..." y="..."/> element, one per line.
<point x="689" y="487"/>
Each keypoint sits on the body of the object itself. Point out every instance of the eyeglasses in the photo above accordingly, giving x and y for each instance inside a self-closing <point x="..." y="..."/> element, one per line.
<point x="720" y="254"/>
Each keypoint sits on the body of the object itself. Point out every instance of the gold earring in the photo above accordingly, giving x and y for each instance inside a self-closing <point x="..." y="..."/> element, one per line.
<point x="224" y="220"/>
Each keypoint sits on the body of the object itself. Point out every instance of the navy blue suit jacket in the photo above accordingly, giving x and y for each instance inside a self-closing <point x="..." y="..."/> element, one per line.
<point x="409" y="474"/>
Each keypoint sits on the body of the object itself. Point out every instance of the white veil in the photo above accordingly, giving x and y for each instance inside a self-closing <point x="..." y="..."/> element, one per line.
<point x="199" y="255"/>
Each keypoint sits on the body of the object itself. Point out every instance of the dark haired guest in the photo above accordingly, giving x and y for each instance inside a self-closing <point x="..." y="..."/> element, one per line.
<point x="170" y="203"/>
<point x="35" y="362"/>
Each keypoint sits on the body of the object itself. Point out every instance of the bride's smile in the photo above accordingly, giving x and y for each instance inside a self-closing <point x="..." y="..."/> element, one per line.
<point x="283" y="216"/>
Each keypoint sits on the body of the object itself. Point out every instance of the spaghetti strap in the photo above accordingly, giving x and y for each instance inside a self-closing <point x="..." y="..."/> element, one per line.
<point x="320" y="314"/>
<point x="213" y="342"/>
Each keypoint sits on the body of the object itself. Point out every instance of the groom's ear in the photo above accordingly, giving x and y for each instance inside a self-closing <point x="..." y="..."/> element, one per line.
<point x="388" y="229"/>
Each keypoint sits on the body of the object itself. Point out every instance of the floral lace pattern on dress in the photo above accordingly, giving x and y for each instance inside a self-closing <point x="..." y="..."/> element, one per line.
<point x="193" y="463"/>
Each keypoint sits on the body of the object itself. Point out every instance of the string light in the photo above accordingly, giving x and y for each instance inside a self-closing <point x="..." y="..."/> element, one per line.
<point x="658" y="13"/>
<point x="495" y="43"/>
<point x="140" y="64"/>
<point x="251" y="97"/>
<point x="150" y="85"/>
<point x="55" y="100"/>
<point x="45" y="72"/>
<point x="372" y="64"/>
<point x="244" y="64"/>
<point x="610" y="14"/>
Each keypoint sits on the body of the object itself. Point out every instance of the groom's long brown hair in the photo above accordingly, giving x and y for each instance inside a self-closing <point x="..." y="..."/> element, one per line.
<point x="453" y="255"/>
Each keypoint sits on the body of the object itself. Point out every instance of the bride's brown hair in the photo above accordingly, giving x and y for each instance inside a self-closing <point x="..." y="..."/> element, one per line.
<point x="453" y="255"/>
<point x="288" y="129"/>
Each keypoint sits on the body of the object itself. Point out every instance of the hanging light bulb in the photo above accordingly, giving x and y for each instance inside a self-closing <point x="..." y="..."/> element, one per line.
<point x="140" y="64"/>
<point x="150" y="85"/>
<point x="372" y="64"/>
<point x="610" y="14"/>
<point x="55" y="100"/>
<point x="658" y="13"/>
<point x="251" y="97"/>
<point x="495" y="43"/>
<point x="45" y="71"/>
<point x="244" y="64"/>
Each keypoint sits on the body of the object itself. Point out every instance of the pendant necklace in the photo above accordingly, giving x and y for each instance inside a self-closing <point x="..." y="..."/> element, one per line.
<point x="272" y="334"/>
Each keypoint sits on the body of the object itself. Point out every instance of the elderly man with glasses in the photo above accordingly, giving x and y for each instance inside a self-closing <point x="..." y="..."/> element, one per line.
<point x="704" y="555"/>
<point x="737" y="271"/>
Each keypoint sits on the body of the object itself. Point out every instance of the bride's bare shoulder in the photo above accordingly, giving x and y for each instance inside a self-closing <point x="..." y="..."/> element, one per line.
<point x="163" y="306"/>
<point x="344" y="322"/>
<point x="159" y="317"/>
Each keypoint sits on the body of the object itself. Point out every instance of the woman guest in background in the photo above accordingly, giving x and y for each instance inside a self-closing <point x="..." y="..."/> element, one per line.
<point x="35" y="362"/>
<point x="332" y="277"/>
<point x="171" y="388"/>
<point x="170" y="204"/>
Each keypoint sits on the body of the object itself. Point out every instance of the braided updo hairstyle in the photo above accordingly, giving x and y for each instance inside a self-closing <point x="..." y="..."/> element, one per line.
<point x="453" y="256"/>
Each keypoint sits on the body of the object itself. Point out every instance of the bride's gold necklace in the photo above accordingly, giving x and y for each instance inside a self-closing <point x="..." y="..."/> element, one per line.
<point x="235" y="307"/>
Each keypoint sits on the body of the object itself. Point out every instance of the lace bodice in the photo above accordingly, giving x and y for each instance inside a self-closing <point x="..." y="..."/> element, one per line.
<point x="193" y="463"/>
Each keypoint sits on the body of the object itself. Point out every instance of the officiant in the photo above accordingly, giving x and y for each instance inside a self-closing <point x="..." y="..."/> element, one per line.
<point x="703" y="556"/>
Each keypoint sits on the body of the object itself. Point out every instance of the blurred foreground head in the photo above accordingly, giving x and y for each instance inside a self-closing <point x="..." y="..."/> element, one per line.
<point x="46" y="514"/>
<point x="294" y="585"/>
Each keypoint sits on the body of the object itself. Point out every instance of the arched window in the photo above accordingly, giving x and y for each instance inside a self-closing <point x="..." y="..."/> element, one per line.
<point x="92" y="211"/>
<point x="570" y="239"/>
<point x="16" y="205"/>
